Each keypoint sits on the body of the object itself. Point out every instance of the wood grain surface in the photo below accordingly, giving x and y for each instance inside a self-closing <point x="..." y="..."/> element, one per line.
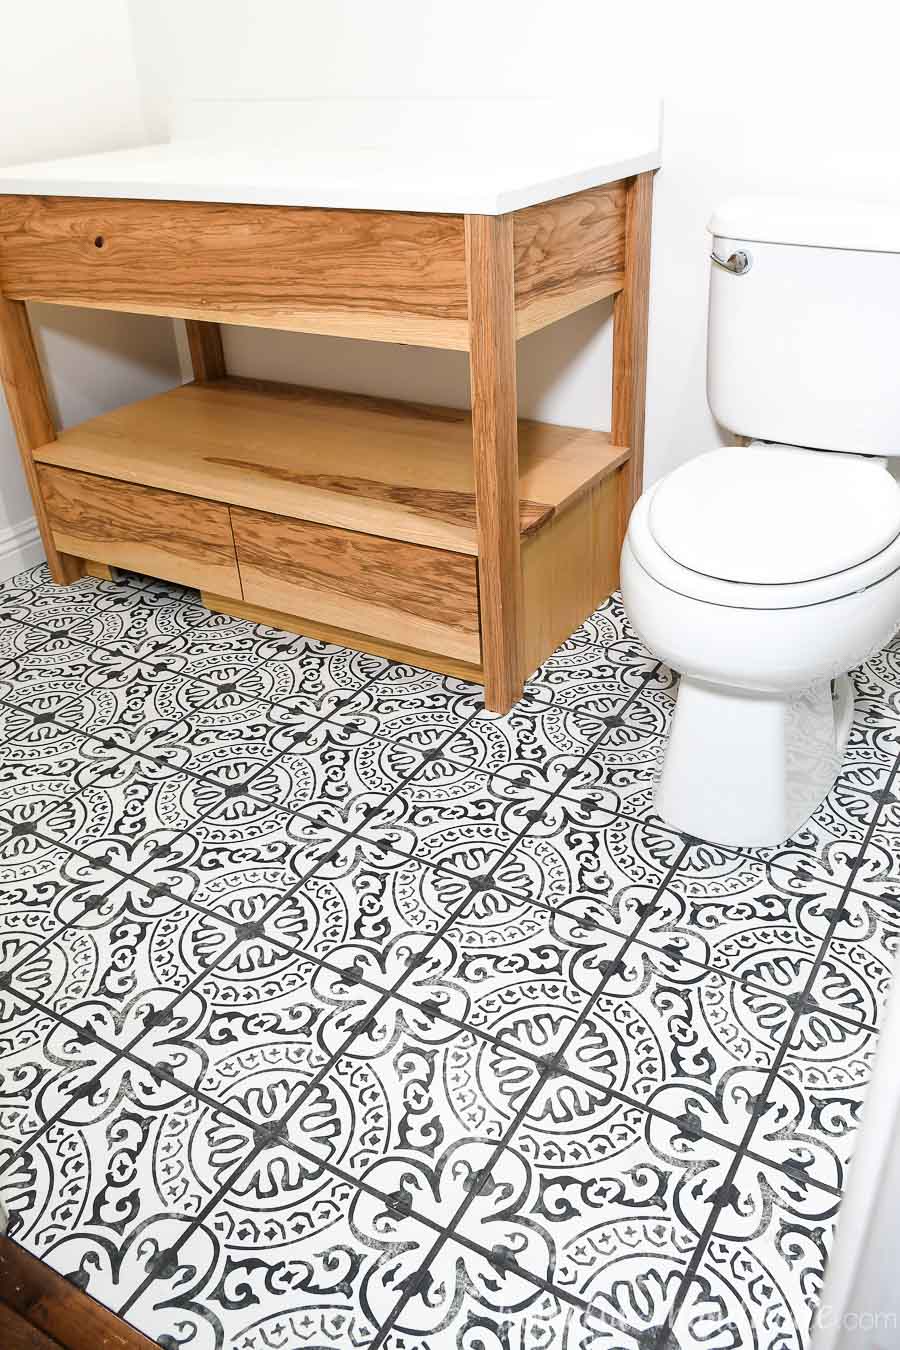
<point x="398" y="470"/>
<point x="345" y="637"/>
<point x="423" y="598"/>
<point x="58" y="1309"/>
<point x="388" y="275"/>
<point x="568" y="253"/>
<point x="630" y="317"/>
<point x="29" y="410"/>
<point x="101" y="571"/>
<point x="569" y="568"/>
<point x="18" y="1334"/>
<point x="207" y="352"/>
<point x="492" y="366"/>
<point x="163" y="534"/>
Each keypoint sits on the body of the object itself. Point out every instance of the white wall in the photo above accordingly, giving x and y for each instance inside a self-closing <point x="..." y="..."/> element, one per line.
<point x="68" y="84"/>
<point x="762" y="97"/>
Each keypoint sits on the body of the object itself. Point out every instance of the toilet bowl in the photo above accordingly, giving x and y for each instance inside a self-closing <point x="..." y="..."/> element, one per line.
<point x="764" y="705"/>
<point x="762" y="573"/>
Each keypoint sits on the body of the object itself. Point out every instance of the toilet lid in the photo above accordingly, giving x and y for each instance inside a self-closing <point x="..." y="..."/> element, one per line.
<point x="775" y="514"/>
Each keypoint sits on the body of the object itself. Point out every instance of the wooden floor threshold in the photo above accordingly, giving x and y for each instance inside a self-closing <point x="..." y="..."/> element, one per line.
<point x="41" y="1310"/>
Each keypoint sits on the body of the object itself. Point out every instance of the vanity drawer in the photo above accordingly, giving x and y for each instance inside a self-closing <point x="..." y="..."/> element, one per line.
<point x="424" y="598"/>
<point x="396" y="276"/>
<point x="165" y="534"/>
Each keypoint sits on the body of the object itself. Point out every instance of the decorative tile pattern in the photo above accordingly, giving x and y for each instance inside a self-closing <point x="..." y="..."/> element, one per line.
<point x="338" y="1011"/>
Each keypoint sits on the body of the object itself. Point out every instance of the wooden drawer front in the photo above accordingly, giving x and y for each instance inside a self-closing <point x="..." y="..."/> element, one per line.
<point x="165" y="534"/>
<point x="420" y="597"/>
<point x="394" y="276"/>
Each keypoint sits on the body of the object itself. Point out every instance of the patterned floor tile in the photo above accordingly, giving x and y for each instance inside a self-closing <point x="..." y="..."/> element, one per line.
<point x="130" y="703"/>
<point x="365" y="897"/>
<point x="578" y="848"/>
<point x="771" y="1280"/>
<point x="253" y="1032"/>
<point x="478" y="1299"/>
<point x="146" y="625"/>
<point x="537" y="743"/>
<point x="239" y="827"/>
<point x="821" y="1088"/>
<point x="128" y="622"/>
<point x="228" y="738"/>
<point x="406" y="1092"/>
<point x="334" y="773"/>
<point x="456" y="817"/>
<point x="540" y="1202"/>
<point x="121" y="1181"/>
<point x="619" y="772"/>
<point x="260" y="662"/>
<point x="63" y="893"/>
<point x="287" y="1249"/>
<point x="415" y="706"/>
<point x="32" y="598"/>
<point x="16" y="640"/>
<point x="98" y="970"/>
<point x="217" y="868"/>
<point x="595" y="653"/>
<point x="50" y="1082"/>
<point x="53" y="676"/>
<point x="109" y="818"/>
<point x="336" y="1010"/>
<point x="34" y="868"/>
<point x="47" y="756"/>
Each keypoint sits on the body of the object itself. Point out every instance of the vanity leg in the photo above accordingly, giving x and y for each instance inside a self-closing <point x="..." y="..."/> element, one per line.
<point x="207" y="353"/>
<point x="492" y="365"/>
<point x="630" y="311"/>
<point x="26" y="397"/>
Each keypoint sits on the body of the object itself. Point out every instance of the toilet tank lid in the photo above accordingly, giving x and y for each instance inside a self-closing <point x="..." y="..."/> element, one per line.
<point x="811" y="221"/>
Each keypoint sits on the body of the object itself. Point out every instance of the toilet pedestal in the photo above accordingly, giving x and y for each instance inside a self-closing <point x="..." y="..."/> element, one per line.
<point x="747" y="769"/>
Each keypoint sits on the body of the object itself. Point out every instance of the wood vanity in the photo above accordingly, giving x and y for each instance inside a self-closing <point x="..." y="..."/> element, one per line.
<point x="470" y="543"/>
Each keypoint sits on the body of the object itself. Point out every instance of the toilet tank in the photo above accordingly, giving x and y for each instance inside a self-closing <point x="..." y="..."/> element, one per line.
<point x="804" y="345"/>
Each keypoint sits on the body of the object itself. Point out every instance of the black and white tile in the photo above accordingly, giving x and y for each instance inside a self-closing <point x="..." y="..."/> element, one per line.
<point x="338" y="1011"/>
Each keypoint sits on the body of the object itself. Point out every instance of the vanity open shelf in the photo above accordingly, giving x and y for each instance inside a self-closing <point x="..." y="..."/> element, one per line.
<point x="354" y="516"/>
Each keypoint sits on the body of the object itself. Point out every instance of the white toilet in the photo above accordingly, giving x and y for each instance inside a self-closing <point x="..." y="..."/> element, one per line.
<point x="763" y="573"/>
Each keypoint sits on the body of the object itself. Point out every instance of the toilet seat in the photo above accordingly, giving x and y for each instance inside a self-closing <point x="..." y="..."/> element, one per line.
<point x="775" y="514"/>
<point x="672" y="518"/>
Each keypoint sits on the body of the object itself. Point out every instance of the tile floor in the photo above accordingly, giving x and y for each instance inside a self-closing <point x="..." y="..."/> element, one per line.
<point x="337" y="1012"/>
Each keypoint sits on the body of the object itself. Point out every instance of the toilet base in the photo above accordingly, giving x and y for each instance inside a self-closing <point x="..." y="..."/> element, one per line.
<point x="747" y="769"/>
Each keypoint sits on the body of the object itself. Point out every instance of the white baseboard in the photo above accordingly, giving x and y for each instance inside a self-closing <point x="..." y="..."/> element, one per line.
<point x="20" y="547"/>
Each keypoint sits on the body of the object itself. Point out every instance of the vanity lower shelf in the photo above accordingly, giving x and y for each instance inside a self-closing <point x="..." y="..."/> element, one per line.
<point x="337" y="515"/>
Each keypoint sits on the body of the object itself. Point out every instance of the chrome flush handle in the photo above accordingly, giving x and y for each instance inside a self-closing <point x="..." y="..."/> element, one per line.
<point x="739" y="262"/>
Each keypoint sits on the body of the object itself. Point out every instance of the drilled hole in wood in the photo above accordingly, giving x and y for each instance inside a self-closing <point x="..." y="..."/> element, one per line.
<point x="99" y="241"/>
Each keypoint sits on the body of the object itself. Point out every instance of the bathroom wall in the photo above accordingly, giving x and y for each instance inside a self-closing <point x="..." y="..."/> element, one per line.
<point x="68" y="84"/>
<point x="768" y="97"/>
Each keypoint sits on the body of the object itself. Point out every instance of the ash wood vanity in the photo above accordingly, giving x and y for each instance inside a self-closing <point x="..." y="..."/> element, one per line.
<point x="470" y="543"/>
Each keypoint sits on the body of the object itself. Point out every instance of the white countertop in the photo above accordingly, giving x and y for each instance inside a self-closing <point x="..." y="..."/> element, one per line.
<point x="471" y="156"/>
